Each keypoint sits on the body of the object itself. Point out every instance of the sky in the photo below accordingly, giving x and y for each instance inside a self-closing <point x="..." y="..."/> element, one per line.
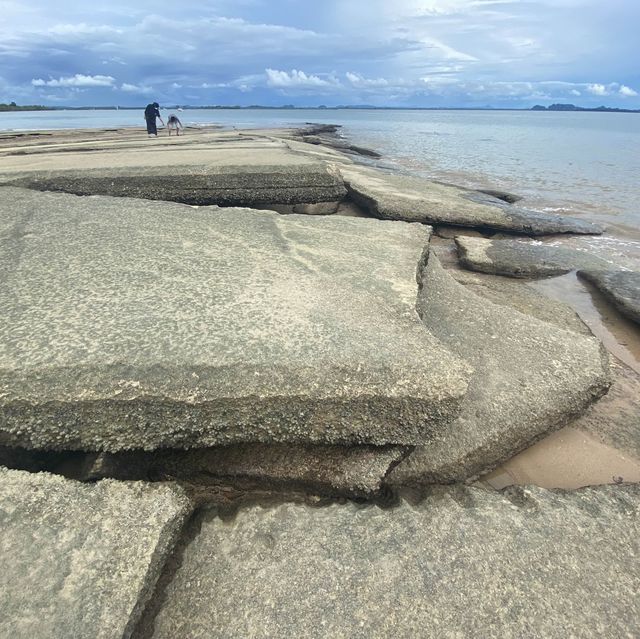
<point x="404" y="53"/>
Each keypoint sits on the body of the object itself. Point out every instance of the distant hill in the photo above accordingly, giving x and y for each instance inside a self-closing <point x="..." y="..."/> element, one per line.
<point x="573" y="107"/>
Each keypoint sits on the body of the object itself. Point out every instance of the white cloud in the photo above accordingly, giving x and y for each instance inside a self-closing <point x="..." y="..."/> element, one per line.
<point x="77" y="80"/>
<point x="135" y="88"/>
<point x="82" y="29"/>
<point x="627" y="92"/>
<point x="575" y="92"/>
<point x="295" y="78"/>
<point x="447" y="52"/>
<point x="360" y="81"/>
<point x="597" y="89"/>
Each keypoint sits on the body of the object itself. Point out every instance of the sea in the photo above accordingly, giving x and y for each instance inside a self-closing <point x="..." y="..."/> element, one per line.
<point x="576" y="163"/>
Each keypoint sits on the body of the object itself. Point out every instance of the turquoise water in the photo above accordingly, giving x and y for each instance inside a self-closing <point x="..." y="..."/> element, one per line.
<point x="581" y="163"/>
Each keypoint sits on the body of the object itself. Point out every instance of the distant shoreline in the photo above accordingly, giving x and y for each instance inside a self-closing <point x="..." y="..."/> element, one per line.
<point x="554" y="108"/>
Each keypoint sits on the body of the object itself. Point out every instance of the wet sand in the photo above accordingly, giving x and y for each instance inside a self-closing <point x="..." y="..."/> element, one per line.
<point x="603" y="447"/>
<point x="569" y="458"/>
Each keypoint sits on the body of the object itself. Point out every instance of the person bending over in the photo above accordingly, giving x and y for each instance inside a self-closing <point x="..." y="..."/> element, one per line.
<point x="174" y="124"/>
<point x="150" y="114"/>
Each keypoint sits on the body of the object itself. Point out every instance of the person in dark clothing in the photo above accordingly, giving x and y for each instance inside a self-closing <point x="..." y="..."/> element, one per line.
<point x="150" y="114"/>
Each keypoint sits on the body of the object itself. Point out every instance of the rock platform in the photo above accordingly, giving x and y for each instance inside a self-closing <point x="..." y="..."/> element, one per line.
<point x="216" y="357"/>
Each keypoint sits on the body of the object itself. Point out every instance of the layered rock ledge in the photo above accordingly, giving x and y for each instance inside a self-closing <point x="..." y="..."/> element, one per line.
<point x="261" y="169"/>
<point x="412" y="199"/>
<point x="137" y="324"/>
<point x="530" y="377"/>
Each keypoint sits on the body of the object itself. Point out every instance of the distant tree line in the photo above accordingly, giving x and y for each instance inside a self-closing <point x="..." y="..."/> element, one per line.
<point x="12" y="106"/>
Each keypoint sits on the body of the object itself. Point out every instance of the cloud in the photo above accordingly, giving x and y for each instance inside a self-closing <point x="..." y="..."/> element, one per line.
<point x="135" y="88"/>
<point x="627" y="92"/>
<point x="82" y="29"/>
<point x="597" y="89"/>
<point x="471" y="52"/>
<point x="296" y="79"/>
<point x="77" y="80"/>
<point x="359" y="81"/>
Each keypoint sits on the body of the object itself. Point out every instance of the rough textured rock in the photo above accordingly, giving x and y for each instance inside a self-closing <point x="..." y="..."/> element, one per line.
<point x="615" y="419"/>
<point x="622" y="287"/>
<point x="252" y="186"/>
<point x="328" y="470"/>
<point x="400" y="197"/>
<point x="331" y="140"/>
<point x="530" y="378"/>
<point x="81" y="561"/>
<point x="135" y="324"/>
<point x="523" y="298"/>
<point x="516" y="258"/>
<point x="463" y="563"/>
<point x="226" y="169"/>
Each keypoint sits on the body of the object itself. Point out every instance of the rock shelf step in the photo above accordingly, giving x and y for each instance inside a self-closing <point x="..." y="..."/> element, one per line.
<point x="411" y="199"/>
<point x="621" y="287"/>
<point x="530" y="377"/>
<point x="136" y="324"/>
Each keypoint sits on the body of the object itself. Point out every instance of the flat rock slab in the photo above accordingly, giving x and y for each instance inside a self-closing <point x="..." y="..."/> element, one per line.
<point x="530" y="378"/>
<point x="134" y="324"/>
<point x="463" y="563"/>
<point x="326" y="470"/>
<point x="621" y="287"/>
<point x="516" y="258"/>
<point x="522" y="297"/>
<point x="412" y="199"/>
<point x="199" y="169"/>
<point x="81" y="560"/>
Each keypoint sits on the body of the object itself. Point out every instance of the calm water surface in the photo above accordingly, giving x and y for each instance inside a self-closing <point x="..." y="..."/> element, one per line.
<point x="579" y="163"/>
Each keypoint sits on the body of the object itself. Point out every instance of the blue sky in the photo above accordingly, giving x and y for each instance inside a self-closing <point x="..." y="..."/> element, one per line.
<point x="459" y="53"/>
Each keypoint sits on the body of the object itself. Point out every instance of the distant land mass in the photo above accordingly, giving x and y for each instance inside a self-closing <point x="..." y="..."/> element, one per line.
<point x="12" y="106"/>
<point x="26" y="107"/>
<point x="573" y="107"/>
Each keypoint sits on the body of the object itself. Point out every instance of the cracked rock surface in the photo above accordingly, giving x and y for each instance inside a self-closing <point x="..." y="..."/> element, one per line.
<point x="464" y="562"/>
<point x="326" y="470"/>
<point x="80" y="560"/>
